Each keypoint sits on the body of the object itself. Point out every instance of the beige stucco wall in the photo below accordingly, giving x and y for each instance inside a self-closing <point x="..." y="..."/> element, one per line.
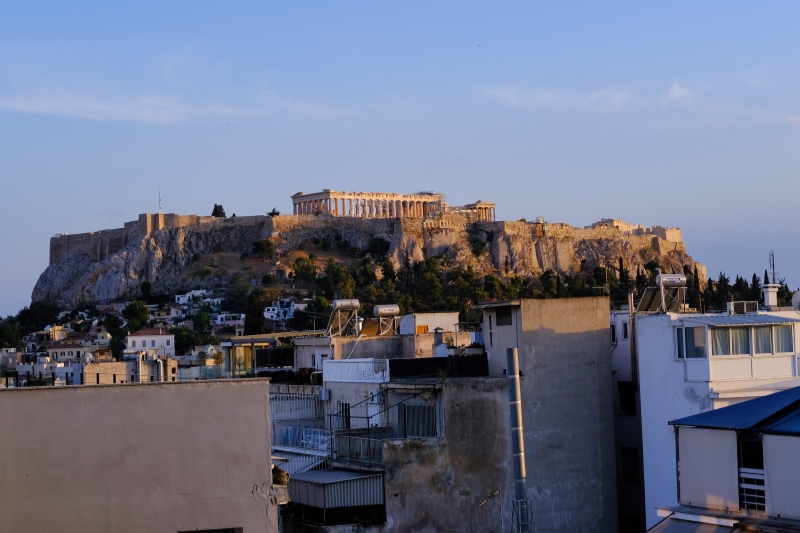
<point x="162" y="457"/>
<point x="565" y="356"/>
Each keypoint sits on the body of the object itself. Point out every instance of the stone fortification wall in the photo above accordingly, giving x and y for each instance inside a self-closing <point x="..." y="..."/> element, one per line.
<point x="99" y="245"/>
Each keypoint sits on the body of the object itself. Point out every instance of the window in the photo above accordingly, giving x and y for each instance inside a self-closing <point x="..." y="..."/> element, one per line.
<point x="168" y="342"/>
<point x="490" y="330"/>
<point x="153" y="343"/>
<point x="762" y="339"/>
<point x="133" y="344"/>
<point x="691" y="342"/>
<point x="504" y="316"/>
<point x="624" y="330"/>
<point x="783" y="339"/>
<point x="613" y="334"/>
<point x="417" y="420"/>
<point x="730" y="341"/>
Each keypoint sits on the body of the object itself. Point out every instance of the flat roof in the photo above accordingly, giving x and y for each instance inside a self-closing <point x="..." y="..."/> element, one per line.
<point x="738" y="320"/>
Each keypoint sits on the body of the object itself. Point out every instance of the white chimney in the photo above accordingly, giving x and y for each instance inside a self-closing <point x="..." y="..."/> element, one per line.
<point x="771" y="295"/>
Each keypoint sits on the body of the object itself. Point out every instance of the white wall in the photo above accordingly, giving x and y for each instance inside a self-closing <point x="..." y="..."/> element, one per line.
<point x="664" y="396"/>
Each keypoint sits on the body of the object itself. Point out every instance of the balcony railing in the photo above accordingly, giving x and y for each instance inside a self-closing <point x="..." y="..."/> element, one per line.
<point x="317" y="440"/>
<point x="751" y="489"/>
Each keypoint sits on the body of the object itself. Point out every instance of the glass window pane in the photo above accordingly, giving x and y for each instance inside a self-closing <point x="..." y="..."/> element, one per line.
<point x="762" y="339"/>
<point x="783" y="339"/>
<point x="696" y="343"/>
<point x="679" y="336"/>
<point x="721" y="341"/>
<point x="740" y="341"/>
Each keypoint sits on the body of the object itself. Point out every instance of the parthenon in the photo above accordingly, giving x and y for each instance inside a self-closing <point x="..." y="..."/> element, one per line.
<point x="385" y="205"/>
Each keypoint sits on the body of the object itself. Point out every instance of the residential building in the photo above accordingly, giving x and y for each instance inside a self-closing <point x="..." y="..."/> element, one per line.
<point x="689" y="363"/>
<point x="567" y="398"/>
<point x="737" y="468"/>
<point x="151" y="340"/>
<point x="138" y="457"/>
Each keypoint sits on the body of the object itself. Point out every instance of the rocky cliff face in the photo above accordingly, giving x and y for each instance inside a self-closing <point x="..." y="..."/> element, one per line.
<point x="166" y="257"/>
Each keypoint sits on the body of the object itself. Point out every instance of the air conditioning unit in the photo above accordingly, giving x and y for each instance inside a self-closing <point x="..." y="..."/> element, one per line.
<point x="324" y="395"/>
<point x="376" y="397"/>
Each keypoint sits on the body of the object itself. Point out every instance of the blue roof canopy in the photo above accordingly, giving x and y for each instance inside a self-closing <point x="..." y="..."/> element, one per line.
<point x="751" y="414"/>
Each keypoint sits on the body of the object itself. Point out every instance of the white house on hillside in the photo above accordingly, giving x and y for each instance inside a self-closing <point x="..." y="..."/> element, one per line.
<point x="156" y="340"/>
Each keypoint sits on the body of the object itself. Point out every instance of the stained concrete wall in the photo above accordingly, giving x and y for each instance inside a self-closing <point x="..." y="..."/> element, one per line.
<point x="436" y="484"/>
<point x="144" y="457"/>
<point x="567" y="408"/>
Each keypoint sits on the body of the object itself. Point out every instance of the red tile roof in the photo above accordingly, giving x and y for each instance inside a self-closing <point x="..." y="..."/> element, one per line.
<point x="150" y="332"/>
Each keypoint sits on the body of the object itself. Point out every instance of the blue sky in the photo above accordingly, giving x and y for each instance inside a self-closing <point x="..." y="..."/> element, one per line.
<point x="679" y="114"/>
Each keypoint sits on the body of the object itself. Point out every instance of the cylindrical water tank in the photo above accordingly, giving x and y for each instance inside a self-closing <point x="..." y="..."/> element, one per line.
<point x="386" y="310"/>
<point x="671" y="280"/>
<point x="346" y="304"/>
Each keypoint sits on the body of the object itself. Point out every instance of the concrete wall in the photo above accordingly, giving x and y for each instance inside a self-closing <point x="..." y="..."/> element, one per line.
<point x="152" y="457"/>
<point x="436" y="484"/>
<point x="567" y="400"/>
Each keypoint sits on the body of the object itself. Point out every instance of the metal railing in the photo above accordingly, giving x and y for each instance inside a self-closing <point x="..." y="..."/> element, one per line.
<point x="362" y="449"/>
<point x="751" y="489"/>
<point x="296" y="406"/>
<point x="301" y="437"/>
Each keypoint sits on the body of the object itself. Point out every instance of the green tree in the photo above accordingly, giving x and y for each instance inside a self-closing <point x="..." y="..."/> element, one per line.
<point x="337" y="281"/>
<point x="9" y="333"/>
<point x="201" y="358"/>
<point x="137" y="314"/>
<point x="236" y="294"/>
<point x="37" y="316"/>
<point x="146" y="287"/>
<point x="219" y="357"/>
<point x="304" y="269"/>
<point x="273" y="213"/>
<point x="264" y="248"/>
<point x="254" y="323"/>
<point x="218" y="211"/>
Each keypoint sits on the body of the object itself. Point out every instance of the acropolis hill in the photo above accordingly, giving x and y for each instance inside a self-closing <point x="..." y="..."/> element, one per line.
<point x="163" y="249"/>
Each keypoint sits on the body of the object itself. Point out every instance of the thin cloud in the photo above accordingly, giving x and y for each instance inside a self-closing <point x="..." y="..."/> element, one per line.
<point x="678" y="93"/>
<point x="146" y="109"/>
<point x="794" y="119"/>
<point x="305" y="108"/>
<point x="598" y="102"/>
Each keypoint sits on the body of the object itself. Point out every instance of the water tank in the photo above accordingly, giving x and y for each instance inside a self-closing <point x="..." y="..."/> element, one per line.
<point x="346" y="304"/>
<point x="671" y="280"/>
<point x="386" y="310"/>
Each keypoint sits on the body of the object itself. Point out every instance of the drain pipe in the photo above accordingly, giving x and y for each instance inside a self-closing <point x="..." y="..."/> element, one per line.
<point x="521" y="521"/>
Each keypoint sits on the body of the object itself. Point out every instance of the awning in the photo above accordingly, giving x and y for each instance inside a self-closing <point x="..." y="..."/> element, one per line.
<point x="327" y="489"/>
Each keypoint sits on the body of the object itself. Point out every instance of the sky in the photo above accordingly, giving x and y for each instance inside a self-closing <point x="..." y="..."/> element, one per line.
<point x="679" y="114"/>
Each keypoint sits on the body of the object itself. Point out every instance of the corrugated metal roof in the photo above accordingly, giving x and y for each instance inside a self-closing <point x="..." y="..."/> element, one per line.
<point x="738" y="320"/>
<point x="745" y="415"/>
<point x="297" y="464"/>
<point x="327" y="489"/>
<point x="788" y="425"/>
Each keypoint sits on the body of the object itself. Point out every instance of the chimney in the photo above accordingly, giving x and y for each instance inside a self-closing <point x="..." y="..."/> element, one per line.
<point x="771" y="295"/>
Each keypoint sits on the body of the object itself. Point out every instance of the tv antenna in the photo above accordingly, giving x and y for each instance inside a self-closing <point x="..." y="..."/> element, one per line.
<point x="772" y="265"/>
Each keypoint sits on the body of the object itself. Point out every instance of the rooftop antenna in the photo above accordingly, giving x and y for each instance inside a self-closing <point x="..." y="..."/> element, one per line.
<point x="772" y="265"/>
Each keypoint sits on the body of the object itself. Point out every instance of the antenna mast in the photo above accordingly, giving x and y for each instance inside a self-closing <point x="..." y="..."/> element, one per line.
<point x="772" y="265"/>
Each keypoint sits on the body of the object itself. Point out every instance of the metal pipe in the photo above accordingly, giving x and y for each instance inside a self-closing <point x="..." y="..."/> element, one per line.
<point x="517" y="442"/>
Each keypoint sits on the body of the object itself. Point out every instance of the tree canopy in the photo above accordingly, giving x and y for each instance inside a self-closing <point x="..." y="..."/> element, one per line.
<point x="218" y="211"/>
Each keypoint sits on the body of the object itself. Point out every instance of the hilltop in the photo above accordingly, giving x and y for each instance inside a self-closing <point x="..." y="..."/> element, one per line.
<point x="180" y="252"/>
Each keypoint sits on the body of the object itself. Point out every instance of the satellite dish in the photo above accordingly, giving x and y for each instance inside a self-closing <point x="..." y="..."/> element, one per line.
<point x="796" y="300"/>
